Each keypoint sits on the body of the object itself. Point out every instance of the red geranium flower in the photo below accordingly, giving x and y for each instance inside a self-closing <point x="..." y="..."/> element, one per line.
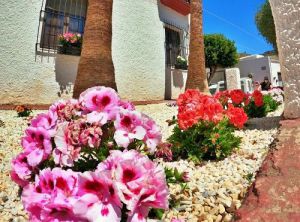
<point x="194" y="106"/>
<point x="258" y="98"/>
<point x="237" y="96"/>
<point x="237" y="116"/>
<point x="223" y="97"/>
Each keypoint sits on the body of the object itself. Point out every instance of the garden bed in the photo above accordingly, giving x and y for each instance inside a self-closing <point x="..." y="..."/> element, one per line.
<point x="215" y="189"/>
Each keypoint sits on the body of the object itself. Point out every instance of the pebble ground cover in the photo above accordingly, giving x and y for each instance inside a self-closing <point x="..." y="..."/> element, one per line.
<point x="213" y="193"/>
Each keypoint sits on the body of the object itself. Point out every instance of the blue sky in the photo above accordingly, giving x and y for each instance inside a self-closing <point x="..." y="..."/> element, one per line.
<point x="236" y="20"/>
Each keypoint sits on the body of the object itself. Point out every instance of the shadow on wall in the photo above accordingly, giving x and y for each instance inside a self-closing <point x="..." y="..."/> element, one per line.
<point x="175" y="82"/>
<point x="65" y="73"/>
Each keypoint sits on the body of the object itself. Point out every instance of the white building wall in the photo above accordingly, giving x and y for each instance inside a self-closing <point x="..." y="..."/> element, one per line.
<point x="137" y="47"/>
<point x="138" y="50"/>
<point x="22" y="80"/>
<point x="254" y="66"/>
<point x="275" y="69"/>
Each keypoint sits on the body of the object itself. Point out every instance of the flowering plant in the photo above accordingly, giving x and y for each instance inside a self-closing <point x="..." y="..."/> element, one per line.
<point x="257" y="104"/>
<point x="83" y="161"/>
<point x="181" y="63"/>
<point x="276" y="93"/>
<point x="205" y="128"/>
<point x="234" y="97"/>
<point x="256" y="107"/>
<point x="70" y="39"/>
<point x="23" y="111"/>
<point x="194" y="106"/>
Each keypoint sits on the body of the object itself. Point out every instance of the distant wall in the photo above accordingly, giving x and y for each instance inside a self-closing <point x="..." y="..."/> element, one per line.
<point x="275" y="69"/>
<point x="137" y="47"/>
<point x="258" y="67"/>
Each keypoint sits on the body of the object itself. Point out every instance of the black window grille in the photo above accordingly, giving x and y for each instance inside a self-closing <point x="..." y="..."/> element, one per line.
<point x="174" y="46"/>
<point x="58" y="17"/>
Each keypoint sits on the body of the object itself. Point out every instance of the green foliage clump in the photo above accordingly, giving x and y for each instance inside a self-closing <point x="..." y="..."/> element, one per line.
<point x="270" y="104"/>
<point x="265" y="24"/>
<point x="254" y="111"/>
<point x="23" y="111"/>
<point x="205" y="140"/>
<point x="219" y="52"/>
<point x="181" y="63"/>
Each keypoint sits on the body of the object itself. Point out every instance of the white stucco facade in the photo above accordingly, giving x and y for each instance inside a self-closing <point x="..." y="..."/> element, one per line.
<point x="137" y="48"/>
<point x="259" y="67"/>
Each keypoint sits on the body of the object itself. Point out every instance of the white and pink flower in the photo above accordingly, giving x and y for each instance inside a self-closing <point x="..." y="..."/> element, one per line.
<point x="100" y="99"/>
<point x="37" y="143"/>
<point x="21" y="172"/>
<point x="85" y="135"/>
<point x="141" y="183"/>
<point x="128" y="126"/>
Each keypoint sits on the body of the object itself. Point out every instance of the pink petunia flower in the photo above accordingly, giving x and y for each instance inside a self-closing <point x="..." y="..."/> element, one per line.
<point x="37" y="142"/>
<point x="128" y="127"/>
<point x="97" y="117"/>
<point x="126" y="105"/>
<point x="98" y="197"/>
<point x="141" y="184"/>
<point x="100" y="99"/>
<point x="45" y="120"/>
<point x="66" y="152"/>
<point x="65" y="110"/>
<point x="21" y="171"/>
<point x="153" y="133"/>
<point x="51" y="197"/>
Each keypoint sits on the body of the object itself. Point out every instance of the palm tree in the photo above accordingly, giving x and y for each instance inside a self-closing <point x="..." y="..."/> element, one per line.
<point x="96" y="65"/>
<point x="197" y="78"/>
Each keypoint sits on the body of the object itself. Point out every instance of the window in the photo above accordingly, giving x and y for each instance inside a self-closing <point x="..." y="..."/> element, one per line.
<point x="174" y="44"/>
<point x="58" y="17"/>
<point x="263" y="68"/>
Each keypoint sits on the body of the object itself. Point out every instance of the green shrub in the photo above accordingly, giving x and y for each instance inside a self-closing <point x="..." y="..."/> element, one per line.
<point x="205" y="140"/>
<point x="270" y="104"/>
<point x="254" y="111"/>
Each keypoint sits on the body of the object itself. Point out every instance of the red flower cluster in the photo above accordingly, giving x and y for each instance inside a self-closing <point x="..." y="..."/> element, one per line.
<point x="258" y="98"/>
<point x="236" y="116"/>
<point x="194" y="106"/>
<point x="223" y="97"/>
<point x="237" y="96"/>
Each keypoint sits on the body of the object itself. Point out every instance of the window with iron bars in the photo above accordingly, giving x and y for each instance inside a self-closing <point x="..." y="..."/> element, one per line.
<point x="174" y="44"/>
<point x="58" y="17"/>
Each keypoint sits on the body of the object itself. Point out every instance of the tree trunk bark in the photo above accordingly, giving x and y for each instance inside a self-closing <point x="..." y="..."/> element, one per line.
<point x="212" y="72"/>
<point x="96" y="66"/>
<point x="197" y="78"/>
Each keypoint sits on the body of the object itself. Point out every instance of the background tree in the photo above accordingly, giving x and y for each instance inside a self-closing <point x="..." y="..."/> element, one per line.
<point x="96" y="66"/>
<point x="265" y="24"/>
<point x="219" y="52"/>
<point x="197" y="78"/>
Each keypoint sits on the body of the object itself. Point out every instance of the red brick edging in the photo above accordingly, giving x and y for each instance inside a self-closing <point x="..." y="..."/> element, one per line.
<point x="275" y="194"/>
<point x="46" y="106"/>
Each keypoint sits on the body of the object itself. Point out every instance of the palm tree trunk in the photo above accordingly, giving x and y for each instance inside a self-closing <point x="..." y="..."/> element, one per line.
<point x="96" y="66"/>
<point x="197" y="78"/>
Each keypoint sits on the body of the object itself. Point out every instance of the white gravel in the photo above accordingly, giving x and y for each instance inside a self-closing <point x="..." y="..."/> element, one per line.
<point x="213" y="193"/>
